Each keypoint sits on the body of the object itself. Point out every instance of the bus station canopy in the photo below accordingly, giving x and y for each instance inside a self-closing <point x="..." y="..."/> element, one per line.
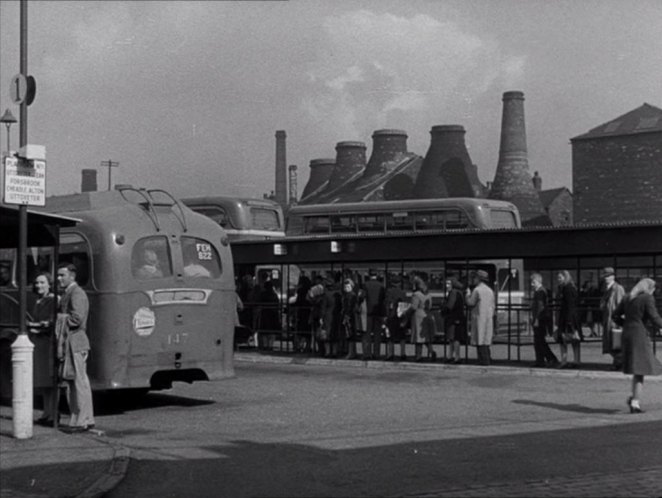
<point x="42" y="227"/>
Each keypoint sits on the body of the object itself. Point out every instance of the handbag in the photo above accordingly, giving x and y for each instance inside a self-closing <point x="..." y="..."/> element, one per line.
<point x="616" y="338"/>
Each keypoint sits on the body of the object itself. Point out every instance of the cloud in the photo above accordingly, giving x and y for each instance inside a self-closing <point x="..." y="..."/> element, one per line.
<point x="374" y="68"/>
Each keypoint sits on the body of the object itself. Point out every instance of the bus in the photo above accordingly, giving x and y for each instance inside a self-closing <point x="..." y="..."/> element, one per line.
<point x="160" y="282"/>
<point x="412" y="215"/>
<point x="241" y="218"/>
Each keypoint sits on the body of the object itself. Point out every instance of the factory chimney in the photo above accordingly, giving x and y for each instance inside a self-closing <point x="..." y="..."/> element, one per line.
<point x="350" y="161"/>
<point x="89" y="180"/>
<point x="293" y="183"/>
<point x="447" y="170"/>
<point x="512" y="181"/>
<point x="388" y="146"/>
<point x="320" y="172"/>
<point x="281" y="169"/>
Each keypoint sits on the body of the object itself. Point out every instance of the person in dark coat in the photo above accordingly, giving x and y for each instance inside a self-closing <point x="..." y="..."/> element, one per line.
<point x="455" y="319"/>
<point x="395" y="332"/>
<point x="331" y="310"/>
<point x="41" y="328"/>
<point x="375" y="293"/>
<point x="269" y="315"/>
<point x="349" y="319"/>
<point x="568" y="329"/>
<point x="302" y="308"/>
<point x="541" y="321"/>
<point x="632" y="313"/>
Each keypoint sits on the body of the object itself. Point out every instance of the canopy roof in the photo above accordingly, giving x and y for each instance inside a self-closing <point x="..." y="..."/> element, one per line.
<point x="41" y="226"/>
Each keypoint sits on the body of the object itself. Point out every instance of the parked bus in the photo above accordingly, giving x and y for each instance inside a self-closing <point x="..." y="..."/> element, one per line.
<point x="242" y="218"/>
<point x="412" y="215"/>
<point x="160" y="281"/>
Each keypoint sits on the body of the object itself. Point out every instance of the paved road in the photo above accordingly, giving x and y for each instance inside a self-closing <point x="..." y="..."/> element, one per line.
<point x="288" y="430"/>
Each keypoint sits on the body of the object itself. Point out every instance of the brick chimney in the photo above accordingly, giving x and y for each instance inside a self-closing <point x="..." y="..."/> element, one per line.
<point x="281" y="168"/>
<point x="89" y="180"/>
<point x="447" y="170"/>
<point x="320" y="172"/>
<point x="350" y="161"/>
<point x="387" y="146"/>
<point x="512" y="181"/>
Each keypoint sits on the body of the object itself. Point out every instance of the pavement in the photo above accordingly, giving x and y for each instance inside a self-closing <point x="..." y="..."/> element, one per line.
<point x="55" y="464"/>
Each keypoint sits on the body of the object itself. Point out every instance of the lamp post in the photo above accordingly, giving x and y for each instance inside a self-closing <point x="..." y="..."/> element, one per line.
<point x="8" y="119"/>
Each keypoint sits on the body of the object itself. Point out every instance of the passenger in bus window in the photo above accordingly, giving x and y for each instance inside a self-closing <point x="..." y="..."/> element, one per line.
<point x="541" y="321"/>
<point x="192" y="267"/>
<point x="395" y="332"/>
<point x="568" y="327"/>
<point x="481" y="301"/>
<point x="151" y="267"/>
<point x="41" y="327"/>
<point x="455" y="320"/>
<point x="5" y="273"/>
<point x="633" y="312"/>
<point x="72" y="324"/>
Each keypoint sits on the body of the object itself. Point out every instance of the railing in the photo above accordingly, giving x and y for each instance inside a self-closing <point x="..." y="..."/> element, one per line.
<point x="287" y="329"/>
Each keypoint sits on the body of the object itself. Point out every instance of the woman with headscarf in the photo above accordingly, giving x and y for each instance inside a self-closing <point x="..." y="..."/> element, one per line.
<point x="632" y="313"/>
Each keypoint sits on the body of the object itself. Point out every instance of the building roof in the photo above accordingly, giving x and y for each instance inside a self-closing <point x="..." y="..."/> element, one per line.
<point x="644" y="119"/>
<point x="548" y="196"/>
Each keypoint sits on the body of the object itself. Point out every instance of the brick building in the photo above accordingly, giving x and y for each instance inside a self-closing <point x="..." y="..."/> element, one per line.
<point x="617" y="169"/>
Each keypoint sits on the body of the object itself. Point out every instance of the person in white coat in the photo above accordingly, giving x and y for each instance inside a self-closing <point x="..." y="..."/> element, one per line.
<point x="481" y="302"/>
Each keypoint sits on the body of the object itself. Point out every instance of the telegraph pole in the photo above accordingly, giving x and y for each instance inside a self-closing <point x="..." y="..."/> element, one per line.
<point x="110" y="165"/>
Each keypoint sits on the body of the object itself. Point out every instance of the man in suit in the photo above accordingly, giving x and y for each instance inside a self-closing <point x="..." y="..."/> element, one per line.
<point x="610" y="300"/>
<point x="75" y="306"/>
<point x="541" y="320"/>
<point x="375" y="294"/>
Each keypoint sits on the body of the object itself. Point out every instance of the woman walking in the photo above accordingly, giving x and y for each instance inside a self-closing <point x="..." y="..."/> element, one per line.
<point x="638" y="357"/>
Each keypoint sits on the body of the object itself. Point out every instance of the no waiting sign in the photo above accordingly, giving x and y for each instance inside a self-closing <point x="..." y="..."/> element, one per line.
<point x="25" y="181"/>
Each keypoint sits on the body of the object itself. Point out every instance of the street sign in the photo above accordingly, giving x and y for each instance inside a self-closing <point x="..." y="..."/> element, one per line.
<point x="25" y="181"/>
<point x="22" y="89"/>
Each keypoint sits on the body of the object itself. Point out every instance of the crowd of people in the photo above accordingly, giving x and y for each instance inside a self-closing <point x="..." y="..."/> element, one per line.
<point x="342" y="311"/>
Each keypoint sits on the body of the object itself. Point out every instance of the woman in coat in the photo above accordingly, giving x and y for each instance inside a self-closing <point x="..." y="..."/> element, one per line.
<point x="41" y="325"/>
<point x="569" y="331"/>
<point x="455" y="321"/>
<point x="421" y="303"/>
<point x="638" y="356"/>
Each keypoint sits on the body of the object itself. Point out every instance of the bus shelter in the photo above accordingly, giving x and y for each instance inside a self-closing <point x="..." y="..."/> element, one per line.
<point x="42" y="255"/>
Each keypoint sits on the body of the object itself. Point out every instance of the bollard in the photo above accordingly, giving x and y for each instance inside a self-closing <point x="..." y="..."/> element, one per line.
<point x="22" y="388"/>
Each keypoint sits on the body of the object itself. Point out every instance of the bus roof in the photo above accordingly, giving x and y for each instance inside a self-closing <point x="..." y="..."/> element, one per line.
<point x="367" y="207"/>
<point x="229" y="201"/>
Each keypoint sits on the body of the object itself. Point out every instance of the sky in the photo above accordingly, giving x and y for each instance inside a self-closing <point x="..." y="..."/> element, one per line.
<point x="187" y="96"/>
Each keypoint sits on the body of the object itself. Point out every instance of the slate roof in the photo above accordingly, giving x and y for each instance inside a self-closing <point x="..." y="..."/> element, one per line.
<point x="644" y="119"/>
<point x="548" y="196"/>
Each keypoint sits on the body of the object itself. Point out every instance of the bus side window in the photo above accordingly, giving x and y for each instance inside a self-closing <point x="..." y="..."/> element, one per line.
<point x="456" y="219"/>
<point x="75" y="249"/>
<point x="200" y="258"/>
<point x="216" y="213"/>
<point x="151" y="258"/>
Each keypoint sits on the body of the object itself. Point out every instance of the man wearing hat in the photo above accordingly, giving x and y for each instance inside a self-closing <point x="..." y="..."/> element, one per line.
<point x="610" y="300"/>
<point x="482" y="304"/>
